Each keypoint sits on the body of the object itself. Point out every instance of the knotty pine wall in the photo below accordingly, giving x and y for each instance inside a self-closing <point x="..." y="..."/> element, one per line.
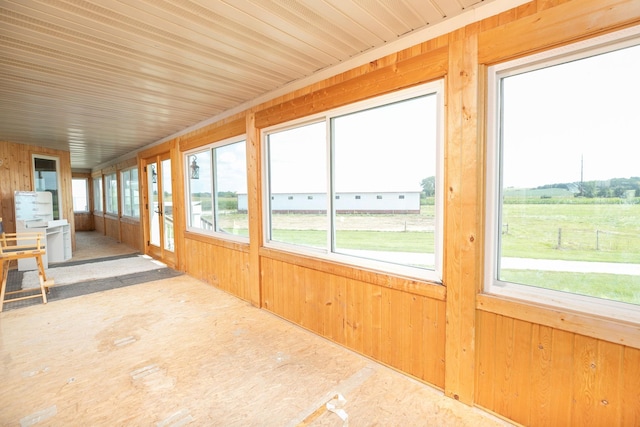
<point x="529" y="363"/>
<point x="16" y="174"/>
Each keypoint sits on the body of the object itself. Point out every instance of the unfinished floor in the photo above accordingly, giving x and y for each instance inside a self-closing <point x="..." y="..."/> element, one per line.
<point x="180" y="352"/>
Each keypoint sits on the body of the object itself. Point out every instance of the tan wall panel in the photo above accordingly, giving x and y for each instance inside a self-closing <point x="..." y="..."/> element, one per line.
<point x="212" y="133"/>
<point x="98" y="222"/>
<point x="405" y="73"/>
<point x="221" y="264"/>
<point x="84" y="221"/>
<point x="399" y="329"/>
<point x="112" y="227"/>
<point x="539" y="376"/>
<point x="554" y="26"/>
<point x="131" y="234"/>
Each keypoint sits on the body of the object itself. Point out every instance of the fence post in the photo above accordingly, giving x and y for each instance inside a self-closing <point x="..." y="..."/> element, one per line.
<point x="559" y="238"/>
<point x="597" y="240"/>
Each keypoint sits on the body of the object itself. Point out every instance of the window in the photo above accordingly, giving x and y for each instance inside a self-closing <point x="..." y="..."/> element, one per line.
<point x="111" y="190"/>
<point x="97" y="194"/>
<point x="80" y="191"/>
<point x="564" y="180"/>
<point x="46" y="178"/>
<point x="130" y="193"/>
<point x="368" y="153"/>
<point x="217" y="189"/>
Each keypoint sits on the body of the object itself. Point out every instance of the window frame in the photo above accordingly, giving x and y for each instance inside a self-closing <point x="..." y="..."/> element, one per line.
<point x="107" y="188"/>
<point x="435" y="88"/>
<point x="528" y="293"/>
<point x="135" y="208"/>
<point x="97" y="195"/>
<point x="187" y="194"/>
<point x="87" y="193"/>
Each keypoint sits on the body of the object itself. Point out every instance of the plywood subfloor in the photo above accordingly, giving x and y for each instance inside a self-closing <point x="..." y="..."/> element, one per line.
<point x="179" y="352"/>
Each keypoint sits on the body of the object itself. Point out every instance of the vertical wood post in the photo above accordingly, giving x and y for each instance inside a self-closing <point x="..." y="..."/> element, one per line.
<point x="463" y="189"/>
<point x="255" y="209"/>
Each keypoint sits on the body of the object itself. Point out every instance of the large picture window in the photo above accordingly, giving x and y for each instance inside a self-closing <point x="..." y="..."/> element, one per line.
<point x="564" y="176"/>
<point x="361" y="184"/>
<point x="217" y="189"/>
<point x="130" y="193"/>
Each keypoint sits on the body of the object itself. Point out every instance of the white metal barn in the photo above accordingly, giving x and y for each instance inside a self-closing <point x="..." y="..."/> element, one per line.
<point x="401" y="202"/>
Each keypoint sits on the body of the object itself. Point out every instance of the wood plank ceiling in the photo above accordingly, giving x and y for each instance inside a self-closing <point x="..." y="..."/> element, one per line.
<point x="103" y="78"/>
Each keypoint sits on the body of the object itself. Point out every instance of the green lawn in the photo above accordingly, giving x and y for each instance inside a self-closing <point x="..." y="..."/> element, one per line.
<point x="581" y="232"/>
<point x="384" y="241"/>
<point x="616" y="287"/>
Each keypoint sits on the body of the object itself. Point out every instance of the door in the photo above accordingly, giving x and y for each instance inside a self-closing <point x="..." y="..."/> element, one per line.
<point x="158" y="209"/>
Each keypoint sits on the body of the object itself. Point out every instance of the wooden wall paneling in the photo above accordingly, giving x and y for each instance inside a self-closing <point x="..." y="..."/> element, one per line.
<point x="608" y="383"/>
<point x="606" y="329"/>
<point x="434" y="329"/>
<point x="396" y="327"/>
<point x="554" y="26"/>
<point x="266" y="280"/>
<point x="503" y="366"/>
<point x="339" y="289"/>
<point x="463" y="172"/>
<point x="99" y="223"/>
<point x="561" y="378"/>
<point x="485" y="365"/>
<point x="417" y="337"/>
<point x="585" y="368"/>
<point x="354" y="320"/>
<point x="541" y="387"/>
<point x="131" y="234"/>
<point x="521" y="384"/>
<point x="112" y="227"/>
<point x="376" y="304"/>
<point x="406" y="73"/>
<point x="630" y="387"/>
<point x="227" y="128"/>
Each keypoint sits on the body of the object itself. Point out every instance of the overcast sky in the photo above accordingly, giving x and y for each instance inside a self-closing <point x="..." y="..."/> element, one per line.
<point x="588" y="108"/>
<point x="376" y="150"/>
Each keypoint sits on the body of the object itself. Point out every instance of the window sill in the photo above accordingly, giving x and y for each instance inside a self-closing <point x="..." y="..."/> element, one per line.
<point x="603" y="327"/>
<point x="384" y="279"/>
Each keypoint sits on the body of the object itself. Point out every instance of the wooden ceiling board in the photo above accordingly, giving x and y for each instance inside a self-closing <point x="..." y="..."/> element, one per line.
<point x="103" y="78"/>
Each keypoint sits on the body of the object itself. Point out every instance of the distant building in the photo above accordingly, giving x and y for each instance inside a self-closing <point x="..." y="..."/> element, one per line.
<point x="403" y="202"/>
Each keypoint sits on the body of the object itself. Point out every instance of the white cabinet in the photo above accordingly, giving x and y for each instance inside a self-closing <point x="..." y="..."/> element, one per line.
<point x="34" y="213"/>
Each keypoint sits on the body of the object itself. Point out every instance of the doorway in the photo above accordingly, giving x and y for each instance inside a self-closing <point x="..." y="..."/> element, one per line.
<point x="158" y="209"/>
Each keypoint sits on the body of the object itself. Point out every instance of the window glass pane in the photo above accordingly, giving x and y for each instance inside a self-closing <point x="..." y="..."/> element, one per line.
<point x="167" y="205"/>
<point x="297" y="169"/>
<point x="97" y="194"/>
<point x="570" y="178"/>
<point x="111" y="188"/>
<point x="125" y="178"/>
<point x="200" y="191"/>
<point x="382" y="159"/>
<point x="130" y="196"/>
<point x="135" y="194"/>
<point x="80" y="191"/>
<point x="45" y="172"/>
<point x="230" y="167"/>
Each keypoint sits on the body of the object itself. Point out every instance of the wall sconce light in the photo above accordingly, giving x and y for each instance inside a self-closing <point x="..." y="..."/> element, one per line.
<point x="195" y="169"/>
<point x="154" y="174"/>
